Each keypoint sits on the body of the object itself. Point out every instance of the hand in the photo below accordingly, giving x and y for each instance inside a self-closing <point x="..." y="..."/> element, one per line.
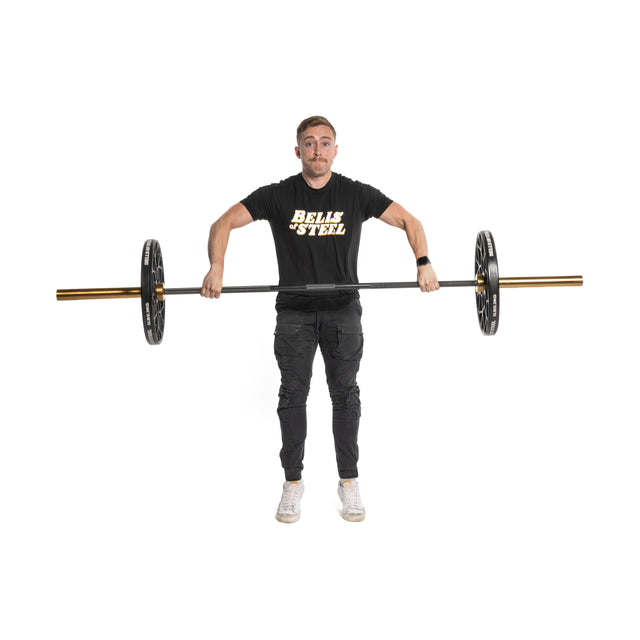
<point x="212" y="283"/>
<point x="427" y="279"/>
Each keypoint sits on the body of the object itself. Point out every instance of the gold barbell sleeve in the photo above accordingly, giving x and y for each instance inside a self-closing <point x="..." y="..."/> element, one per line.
<point x="544" y="281"/>
<point x="98" y="294"/>
<point x="103" y="294"/>
<point x="533" y="281"/>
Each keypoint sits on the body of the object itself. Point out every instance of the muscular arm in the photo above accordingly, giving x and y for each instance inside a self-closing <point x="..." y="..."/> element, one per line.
<point x="237" y="216"/>
<point x="397" y="216"/>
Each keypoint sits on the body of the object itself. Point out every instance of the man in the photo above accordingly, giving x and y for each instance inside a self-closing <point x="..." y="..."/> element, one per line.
<point x="316" y="218"/>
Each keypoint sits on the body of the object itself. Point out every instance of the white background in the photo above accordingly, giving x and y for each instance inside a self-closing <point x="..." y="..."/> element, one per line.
<point x="500" y="475"/>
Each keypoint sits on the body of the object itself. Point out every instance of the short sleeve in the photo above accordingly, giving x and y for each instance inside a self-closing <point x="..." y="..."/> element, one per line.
<point x="260" y="203"/>
<point x="374" y="202"/>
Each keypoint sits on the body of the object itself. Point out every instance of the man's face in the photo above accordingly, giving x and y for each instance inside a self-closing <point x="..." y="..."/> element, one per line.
<point x="317" y="150"/>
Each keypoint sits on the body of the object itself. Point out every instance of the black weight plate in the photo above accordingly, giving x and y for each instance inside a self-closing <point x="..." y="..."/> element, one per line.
<point x="152" y="274"/>
<point x="487" y="300"/>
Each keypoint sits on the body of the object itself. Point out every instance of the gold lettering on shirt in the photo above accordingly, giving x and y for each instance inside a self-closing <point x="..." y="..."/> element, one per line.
<point x="317" y="223"/>
<point x="298" y="216"/>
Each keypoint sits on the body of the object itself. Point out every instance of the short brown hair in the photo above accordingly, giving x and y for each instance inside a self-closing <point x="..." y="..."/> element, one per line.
<point x="313" y="121"/>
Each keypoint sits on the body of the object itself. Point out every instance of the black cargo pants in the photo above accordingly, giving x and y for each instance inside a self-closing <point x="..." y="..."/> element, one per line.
<point x="338" y="332"/>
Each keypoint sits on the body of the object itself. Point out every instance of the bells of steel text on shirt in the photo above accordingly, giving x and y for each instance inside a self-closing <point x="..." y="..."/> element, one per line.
<point x="317" y="223"/>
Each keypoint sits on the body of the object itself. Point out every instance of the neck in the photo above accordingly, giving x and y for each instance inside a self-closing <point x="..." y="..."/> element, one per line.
<point x="317" y="182"/>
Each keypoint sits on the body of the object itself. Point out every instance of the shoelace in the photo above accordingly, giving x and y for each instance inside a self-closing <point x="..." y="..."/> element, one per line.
<point x="290" y="497"/>
<point x="352" y="500"/>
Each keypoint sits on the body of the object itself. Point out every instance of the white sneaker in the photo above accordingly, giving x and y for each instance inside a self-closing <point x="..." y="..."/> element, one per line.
<point x="352" y="509"/>
<point x="289" y="507"/>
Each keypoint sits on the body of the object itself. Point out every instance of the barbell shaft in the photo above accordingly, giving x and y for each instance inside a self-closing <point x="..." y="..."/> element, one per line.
<point x="134" y="292"/>
<point x="310" y="288"/>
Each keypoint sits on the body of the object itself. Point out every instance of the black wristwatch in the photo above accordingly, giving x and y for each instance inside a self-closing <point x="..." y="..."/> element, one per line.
<point x="421" y="262"/>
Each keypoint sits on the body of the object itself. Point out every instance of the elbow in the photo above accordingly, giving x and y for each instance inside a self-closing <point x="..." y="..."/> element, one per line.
<point x="411" y="224"/>
<point x="403" y="219"/>
<point x="220" y="225"/>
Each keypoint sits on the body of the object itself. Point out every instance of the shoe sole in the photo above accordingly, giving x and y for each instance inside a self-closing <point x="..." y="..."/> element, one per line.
<point x="287" y="519"/>
<point x="352" y="517"/>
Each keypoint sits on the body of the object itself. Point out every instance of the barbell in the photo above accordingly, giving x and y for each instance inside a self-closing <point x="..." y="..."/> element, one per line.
<point x="152" y="291"/>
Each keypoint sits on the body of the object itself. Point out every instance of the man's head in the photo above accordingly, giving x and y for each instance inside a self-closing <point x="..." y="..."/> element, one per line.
<point x="316" y="146"/>
<point x="313" y="121"/>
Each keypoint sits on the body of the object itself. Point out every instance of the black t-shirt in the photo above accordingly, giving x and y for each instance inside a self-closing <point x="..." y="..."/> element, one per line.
<point x="316" y="233"/>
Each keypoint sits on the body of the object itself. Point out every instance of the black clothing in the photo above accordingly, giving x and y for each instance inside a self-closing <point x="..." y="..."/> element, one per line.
<point x="297" y="336"/>
<point x="316" y="233"/>
<point x="317" y="237"/>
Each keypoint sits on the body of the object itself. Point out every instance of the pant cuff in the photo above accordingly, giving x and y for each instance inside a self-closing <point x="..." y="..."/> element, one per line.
<point x="292" y="475"/>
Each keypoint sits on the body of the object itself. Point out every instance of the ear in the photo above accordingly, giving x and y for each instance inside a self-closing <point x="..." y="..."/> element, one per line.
<point x="297" y="152"/>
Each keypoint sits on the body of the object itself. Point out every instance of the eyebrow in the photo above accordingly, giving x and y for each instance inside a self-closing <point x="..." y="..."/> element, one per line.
<point x="321" y="138"/>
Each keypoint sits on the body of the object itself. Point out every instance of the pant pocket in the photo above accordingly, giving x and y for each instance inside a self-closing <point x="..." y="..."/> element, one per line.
<point x="294" y="341"/>
<point x="287" y="340"/>
<point x="349" y="343"/>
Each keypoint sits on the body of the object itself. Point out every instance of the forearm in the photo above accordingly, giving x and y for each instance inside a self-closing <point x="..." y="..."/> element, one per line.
<point x="416" y="236"/>
<point x="237" y="216"/>
<point x="427" y="279"/>
<point x="218" y="242"/>
<point x="398" y="216"/>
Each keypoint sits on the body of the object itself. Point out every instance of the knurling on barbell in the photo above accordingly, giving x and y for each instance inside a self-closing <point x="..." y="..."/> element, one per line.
<point x="152" y="292"/>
